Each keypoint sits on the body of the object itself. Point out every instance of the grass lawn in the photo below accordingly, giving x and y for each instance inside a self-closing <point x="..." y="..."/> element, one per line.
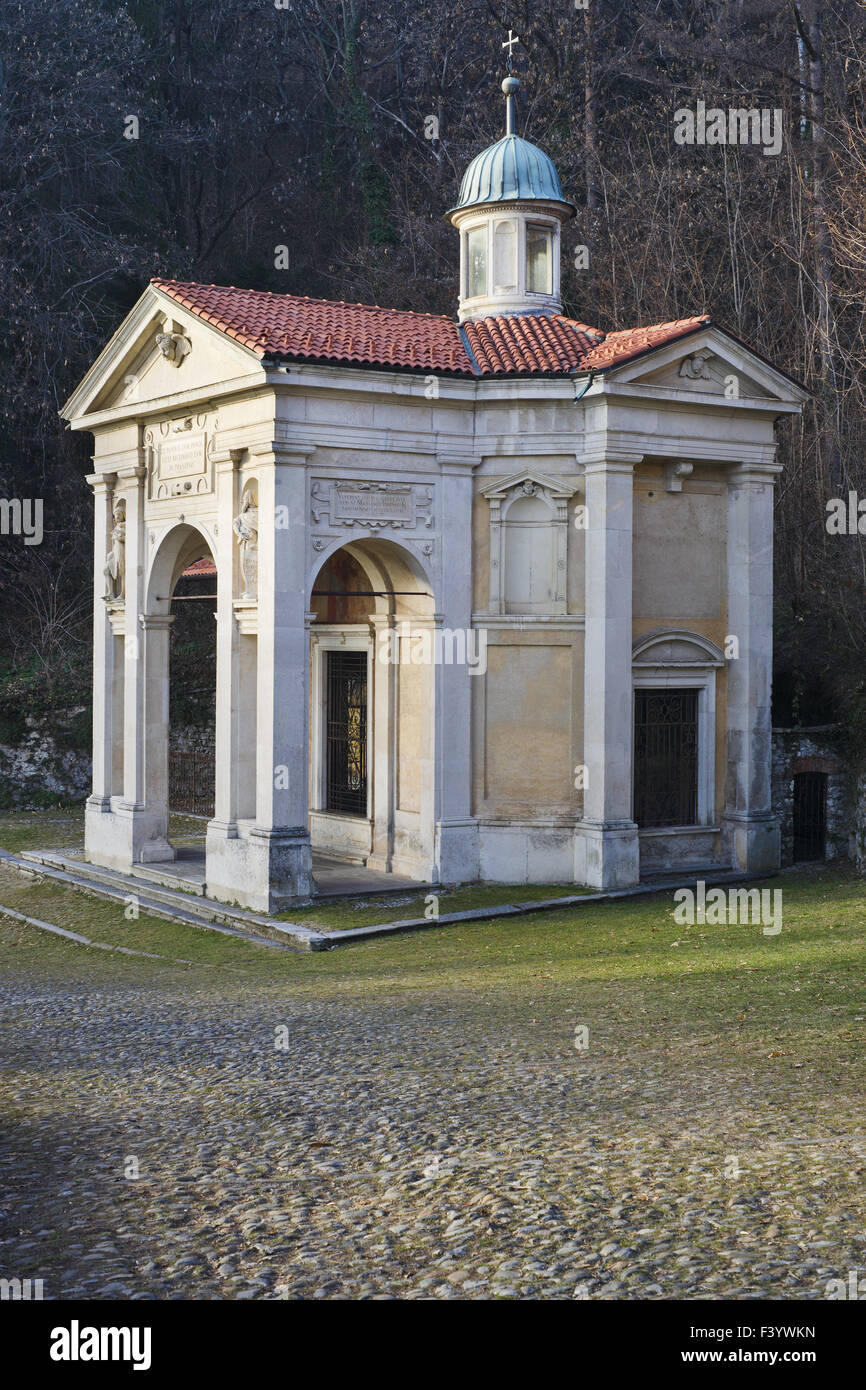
<point x="63" y="828"/>
<point x="696" y="973"/>
<point x="340" y="914"/>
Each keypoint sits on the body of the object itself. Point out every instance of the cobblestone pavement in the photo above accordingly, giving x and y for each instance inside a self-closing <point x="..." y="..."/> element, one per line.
<point x="432" y="1137"/>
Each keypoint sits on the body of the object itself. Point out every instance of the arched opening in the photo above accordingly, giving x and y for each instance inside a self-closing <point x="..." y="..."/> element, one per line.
<point x="179" y="690"/>
<point x="372" y="697"/>
<point x="192" y="690"/>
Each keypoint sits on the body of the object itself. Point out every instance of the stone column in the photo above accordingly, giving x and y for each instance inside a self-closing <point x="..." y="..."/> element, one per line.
<point x="456" y="856"/>
<point x="281" y="835"/>
<point x="104" y="732"/>
<point x="748" y="819"/>
<point x="131" y="486"/>
<point x="609" y="833"/>
<point x="382" y="697"/>
<point x="155" y="630"/>
<point x="227" y="715"/>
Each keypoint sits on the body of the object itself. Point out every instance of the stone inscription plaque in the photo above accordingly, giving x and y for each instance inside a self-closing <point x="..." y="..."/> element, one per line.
<point x="182" y="458"/>
<point x="361" y="504"/>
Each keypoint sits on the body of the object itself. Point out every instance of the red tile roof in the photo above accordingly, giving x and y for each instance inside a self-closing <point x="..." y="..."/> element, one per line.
<point x="200" y="569"/>
<point x="631" y="342"/>
<point x="288" y="325"/>
<point x="323" y="330"/>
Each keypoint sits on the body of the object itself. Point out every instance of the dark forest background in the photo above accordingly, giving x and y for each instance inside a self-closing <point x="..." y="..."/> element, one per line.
<point x="303" y="124"/>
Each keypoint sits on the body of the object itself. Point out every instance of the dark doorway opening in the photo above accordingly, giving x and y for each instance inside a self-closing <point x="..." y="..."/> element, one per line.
<point x="346" y="736"/>
<point x="810" y="816"/>
<point x="665" y="757"/>
<point x="192" y="691"/>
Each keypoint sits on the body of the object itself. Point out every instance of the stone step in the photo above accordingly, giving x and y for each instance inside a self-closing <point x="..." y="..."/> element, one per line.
<point x="177" y="882"/>
<point x="171" y="904"/>
<point x="100" y="876"/>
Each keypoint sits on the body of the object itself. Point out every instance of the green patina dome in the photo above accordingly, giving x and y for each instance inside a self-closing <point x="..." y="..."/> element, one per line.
<point x="512" y="170"/>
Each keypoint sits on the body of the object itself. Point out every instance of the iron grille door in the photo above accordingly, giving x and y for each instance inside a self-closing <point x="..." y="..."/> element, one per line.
<point x="810" y="815"/>
<point x="346" y="733"/>
<point x="665" y="757"/>
<point x="191" y="782"/>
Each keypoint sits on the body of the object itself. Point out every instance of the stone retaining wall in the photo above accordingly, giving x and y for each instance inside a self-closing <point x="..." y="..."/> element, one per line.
<point x="44" y="767"/>
<point x="816" y="750"/>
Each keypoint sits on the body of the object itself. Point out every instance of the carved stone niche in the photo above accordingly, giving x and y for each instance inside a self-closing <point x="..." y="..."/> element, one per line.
<point x="528" y="543"/>
<point x="179" y="456"/>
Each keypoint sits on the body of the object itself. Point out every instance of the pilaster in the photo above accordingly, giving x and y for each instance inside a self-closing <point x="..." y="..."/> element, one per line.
<point x="748" y="818"/>
<point x="607" y="827"/>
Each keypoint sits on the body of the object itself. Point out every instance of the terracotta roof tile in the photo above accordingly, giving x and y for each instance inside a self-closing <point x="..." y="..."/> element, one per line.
<point x="323" y="330"/>
<point x="286" y="325"/>
<point x="200" y="569"/>
<point x="619" y="346"/>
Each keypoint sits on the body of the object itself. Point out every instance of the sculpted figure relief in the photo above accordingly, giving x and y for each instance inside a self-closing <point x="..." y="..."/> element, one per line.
<point x="246" y="528"/>
<point x="173" y="346"/>
<point x="695" y="368"/>
<point x="115" y="564"/>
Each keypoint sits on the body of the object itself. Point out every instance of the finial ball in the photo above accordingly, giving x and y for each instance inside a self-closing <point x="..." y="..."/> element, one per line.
<point x="511" y="85"/>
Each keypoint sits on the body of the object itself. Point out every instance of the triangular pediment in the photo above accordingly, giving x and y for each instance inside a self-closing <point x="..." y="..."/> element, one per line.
<point x="711" y="363"/>
<point x="556" y="488"/>
<point x="160" y="351"/>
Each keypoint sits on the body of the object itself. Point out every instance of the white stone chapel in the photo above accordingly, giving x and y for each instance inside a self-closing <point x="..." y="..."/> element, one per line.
<point x="494" y="592"/>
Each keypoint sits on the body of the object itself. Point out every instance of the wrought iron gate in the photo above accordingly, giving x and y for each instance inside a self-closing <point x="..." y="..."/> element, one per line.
<point x="665" y="757"/>
<point x="810" y="815"/>
<point x="191" y="782"/>
<point x="346" y="736"/>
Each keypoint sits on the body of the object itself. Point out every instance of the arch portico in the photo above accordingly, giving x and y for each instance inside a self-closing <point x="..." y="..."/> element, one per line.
<point x="373" y="696"/>
<point x="178" y="548"/>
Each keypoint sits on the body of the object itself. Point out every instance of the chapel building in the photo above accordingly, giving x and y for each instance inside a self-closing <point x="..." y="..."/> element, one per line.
<point x="493" y="592"/>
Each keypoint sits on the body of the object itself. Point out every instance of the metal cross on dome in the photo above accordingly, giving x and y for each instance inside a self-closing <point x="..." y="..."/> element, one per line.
<point x="509" y="44"/>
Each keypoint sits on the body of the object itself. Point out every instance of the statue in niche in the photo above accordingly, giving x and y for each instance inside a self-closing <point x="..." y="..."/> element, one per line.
<point x="246" y="528"/>
<point x="115" y="564"/>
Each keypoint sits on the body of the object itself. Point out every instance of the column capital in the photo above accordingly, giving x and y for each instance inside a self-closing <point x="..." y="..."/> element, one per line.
<point x="131" y="471"/>
<point x="741" y="474"/>
<point x="156" y="622"/>
<point x="226" y="460"/>
<point x="458" y="462"/>
<point x="611" y="461"/>
<point x="101" y="482"/>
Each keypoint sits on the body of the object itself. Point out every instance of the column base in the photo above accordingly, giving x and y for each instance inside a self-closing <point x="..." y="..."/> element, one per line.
<point x="456" y="852"/>
<point x="612" y="853"/>
<point x="266" y="870"/>
<point x="121" y="833"/>
<point x="755" y="840"/>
